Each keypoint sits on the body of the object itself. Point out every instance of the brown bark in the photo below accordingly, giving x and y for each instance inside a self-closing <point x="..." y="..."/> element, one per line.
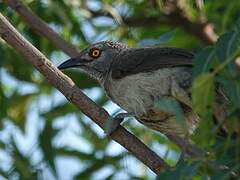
<point x="201" y="30"/>
<point x="75" y="96"/>
<point x="173" y="16"/>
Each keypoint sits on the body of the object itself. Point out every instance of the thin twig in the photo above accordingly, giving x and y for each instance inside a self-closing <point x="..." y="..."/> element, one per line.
<point x="75" y="96"/>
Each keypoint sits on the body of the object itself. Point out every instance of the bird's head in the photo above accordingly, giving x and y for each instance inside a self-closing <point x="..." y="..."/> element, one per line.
<point x="95" y="60"/>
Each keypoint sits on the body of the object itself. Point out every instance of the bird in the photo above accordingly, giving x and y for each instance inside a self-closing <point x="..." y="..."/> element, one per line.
<point x="137" y="78"/>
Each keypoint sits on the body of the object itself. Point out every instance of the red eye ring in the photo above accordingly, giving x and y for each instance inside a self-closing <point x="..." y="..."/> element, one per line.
<point x="95" y="52"/>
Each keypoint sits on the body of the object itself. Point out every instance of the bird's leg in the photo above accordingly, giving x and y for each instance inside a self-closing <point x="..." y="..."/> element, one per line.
<point x="113" y="123"/>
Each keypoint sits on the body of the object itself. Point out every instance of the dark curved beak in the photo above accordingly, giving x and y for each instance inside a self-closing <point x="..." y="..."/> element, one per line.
<point x="73" y="62"/>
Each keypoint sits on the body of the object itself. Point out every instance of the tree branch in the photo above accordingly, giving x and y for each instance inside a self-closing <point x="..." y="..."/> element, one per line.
<point x="65" y="85"/>
<point x="41" y="27"/>
<point x="202" y="29"/>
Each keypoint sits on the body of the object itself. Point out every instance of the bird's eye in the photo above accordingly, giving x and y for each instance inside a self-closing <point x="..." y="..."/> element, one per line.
<point x="95" y="52"/>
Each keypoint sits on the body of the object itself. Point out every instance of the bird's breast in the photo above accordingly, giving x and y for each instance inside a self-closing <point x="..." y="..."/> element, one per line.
<point x="137" y="93"/>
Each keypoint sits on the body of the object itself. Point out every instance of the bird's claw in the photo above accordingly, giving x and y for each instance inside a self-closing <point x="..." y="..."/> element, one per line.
<point x="113" y="123"/>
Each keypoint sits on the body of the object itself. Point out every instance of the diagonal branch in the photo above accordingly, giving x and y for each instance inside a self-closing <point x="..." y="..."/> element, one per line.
<point x="75" y="96"/>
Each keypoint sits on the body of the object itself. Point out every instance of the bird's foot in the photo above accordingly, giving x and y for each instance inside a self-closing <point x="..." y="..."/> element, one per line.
<point x="113" y="123"/>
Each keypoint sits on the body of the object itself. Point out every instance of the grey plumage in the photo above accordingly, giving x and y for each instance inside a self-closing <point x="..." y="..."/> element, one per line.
<point x="136" y="78"/>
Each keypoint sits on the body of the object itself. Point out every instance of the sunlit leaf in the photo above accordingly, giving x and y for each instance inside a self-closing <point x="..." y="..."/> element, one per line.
<point x="203" y="94"/>
<point x="203" y="99"/>
<point x="18" y="107"/>
<point x="164" y="38"/>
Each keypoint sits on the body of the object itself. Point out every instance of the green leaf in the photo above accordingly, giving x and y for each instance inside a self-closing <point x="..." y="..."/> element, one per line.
<point x="203" y="94"/>
<point x="60" y="110"/>
<point x="16" y="66"/>
<point x="81" y="79"/>
<point x="237" y="25"/>
<point x="164" y="38"/>
<point x="232" y="89"/>
<point x="171" y="106"/>
<point x="87" y="172"/>
<point x="228" y="45"/>
<point x="45" y="140"/>
<point x="203" y="99"/>
<point x="18" y="106"/>
<point x="3" y="175"/>
<point x="183" y="171"/>
<point x="76" y="154"/>
<point x="203" y="61"/>
<point x="227" y="48"/>
<point x="22" y="164"/>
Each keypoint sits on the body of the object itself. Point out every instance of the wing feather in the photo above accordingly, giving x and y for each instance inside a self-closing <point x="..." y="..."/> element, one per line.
<point x="138" y="60"/>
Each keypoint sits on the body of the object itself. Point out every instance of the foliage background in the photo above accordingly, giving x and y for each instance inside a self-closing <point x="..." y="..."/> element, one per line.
<point x="44" y="137"/>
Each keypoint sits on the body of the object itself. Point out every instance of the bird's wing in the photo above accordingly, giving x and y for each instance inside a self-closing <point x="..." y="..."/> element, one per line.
<point x="138" y="60"/>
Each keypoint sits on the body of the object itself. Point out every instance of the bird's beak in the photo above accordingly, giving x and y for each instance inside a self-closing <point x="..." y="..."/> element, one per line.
<point x="73" y="62"/>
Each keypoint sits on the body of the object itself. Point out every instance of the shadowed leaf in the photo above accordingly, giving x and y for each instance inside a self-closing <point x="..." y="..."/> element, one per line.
<point x="203" y="61"/>
<point x="45" y="140"/>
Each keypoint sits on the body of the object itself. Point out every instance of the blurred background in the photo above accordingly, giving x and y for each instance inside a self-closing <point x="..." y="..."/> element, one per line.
<point x="42" y="135"/>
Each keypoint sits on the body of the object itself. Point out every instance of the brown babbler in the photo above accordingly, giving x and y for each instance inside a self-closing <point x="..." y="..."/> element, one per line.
<point x="136" y="78"/>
